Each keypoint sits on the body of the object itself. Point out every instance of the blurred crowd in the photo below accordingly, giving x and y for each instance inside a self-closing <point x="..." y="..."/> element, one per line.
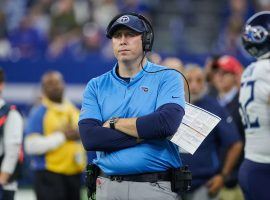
<point x="229" y="40"/>
<point x="37" y="28"/>
<point x="75" y="28"/>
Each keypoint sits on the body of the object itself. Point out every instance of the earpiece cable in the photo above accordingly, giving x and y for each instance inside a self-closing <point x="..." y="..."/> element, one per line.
<point x="153" y="72"/>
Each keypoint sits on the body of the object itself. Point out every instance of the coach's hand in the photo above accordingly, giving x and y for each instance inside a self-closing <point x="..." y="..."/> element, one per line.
<point x="215" y="184"/>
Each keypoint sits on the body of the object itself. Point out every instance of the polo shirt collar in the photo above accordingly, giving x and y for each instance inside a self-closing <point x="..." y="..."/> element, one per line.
<point x="133" y="79"/>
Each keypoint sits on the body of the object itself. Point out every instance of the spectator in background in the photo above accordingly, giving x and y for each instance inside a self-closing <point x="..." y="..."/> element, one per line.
<point x="90" y="42"/>
<point x="103" y="12"/>
<point x="238" y="7"/>
<point x="64" y="27"/>
<point x="83" y="10"/>
<point x="63" y="18"/>
<point x="154" y="57"/>
<point x="261" y="5"/>
<point x="52" y="139"/>
<point x="11" y="136"/>
<point x="210" y="70"/>
<point x="227" y="81"/>
<point x="228" y="71"/>
<point x="137" y="6"/>
<point x="208" y="175"/>
<point x="14" y="11"/>
<point x="174" y="63"/>
<point x="229" y="40"/>
<point x="39" y="14"/>
<point x="26" y="40"/>
<point x="5" y="46"/>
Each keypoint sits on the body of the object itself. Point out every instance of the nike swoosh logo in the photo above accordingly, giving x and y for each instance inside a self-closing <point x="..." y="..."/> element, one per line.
<point x="175" y="97"/>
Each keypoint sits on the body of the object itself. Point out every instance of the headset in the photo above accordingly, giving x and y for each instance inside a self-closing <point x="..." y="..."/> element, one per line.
<point x="147" y="35"/>
<point x="147" y="42"/>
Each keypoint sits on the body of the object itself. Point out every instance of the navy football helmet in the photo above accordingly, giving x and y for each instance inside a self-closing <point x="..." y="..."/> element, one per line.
<point x="256" y="36"/>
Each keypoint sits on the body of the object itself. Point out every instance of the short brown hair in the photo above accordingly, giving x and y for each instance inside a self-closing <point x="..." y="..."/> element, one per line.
<point x="2" y="75"/>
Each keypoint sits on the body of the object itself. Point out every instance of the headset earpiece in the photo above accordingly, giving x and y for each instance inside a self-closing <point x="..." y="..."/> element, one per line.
<point x="147" y="37"/>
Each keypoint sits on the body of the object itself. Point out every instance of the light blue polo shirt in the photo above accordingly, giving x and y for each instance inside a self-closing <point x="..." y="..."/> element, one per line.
<point x="109" y="96"/>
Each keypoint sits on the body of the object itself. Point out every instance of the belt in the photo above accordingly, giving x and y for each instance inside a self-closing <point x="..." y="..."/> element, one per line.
<point x="147" y="177"/>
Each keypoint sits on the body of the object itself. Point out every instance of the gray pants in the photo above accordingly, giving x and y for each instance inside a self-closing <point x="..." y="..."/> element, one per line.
<point x="125" y="190"/>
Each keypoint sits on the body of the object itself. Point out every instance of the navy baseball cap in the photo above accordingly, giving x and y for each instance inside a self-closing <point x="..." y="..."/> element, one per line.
<point x="129" y="21"/>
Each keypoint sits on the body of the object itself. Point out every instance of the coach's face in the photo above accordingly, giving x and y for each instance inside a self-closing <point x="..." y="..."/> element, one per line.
<point x="127" y="45"/>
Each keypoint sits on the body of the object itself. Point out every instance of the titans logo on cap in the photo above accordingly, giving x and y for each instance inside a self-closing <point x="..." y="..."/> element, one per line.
<point x="129" y="21"/>
<point x="123" y="20"/>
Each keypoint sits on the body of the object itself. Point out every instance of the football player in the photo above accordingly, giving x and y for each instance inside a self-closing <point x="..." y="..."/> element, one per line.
<point x="254" y="175"/>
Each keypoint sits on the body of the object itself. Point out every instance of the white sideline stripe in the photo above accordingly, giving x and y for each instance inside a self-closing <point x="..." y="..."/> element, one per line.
<point x="29" y="93"/>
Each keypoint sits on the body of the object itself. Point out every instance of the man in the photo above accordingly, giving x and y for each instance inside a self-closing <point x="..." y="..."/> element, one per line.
<point x="174" y="63"/>
<point x="52" y="138"/>
<point x="11" y="136"/>
<point x="254" y="98"/>
<point x="227" y="81"/>
<point x="209" y="70"/>
<point x="227" y="75"/>
<point x="127" y="115"/>
<point x="208" y="176"/>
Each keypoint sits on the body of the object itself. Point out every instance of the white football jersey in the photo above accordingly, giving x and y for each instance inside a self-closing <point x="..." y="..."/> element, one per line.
<point x="255" y="110"/>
